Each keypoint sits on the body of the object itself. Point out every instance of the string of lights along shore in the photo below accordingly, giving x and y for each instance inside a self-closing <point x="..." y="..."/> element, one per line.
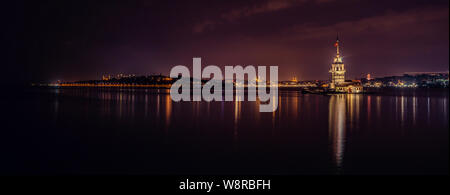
<point x="336" y="83"/>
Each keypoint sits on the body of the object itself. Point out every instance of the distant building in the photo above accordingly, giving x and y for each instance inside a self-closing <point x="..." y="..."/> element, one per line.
<point x="338" y="82"/>
<point x="294" y="79"/>
<point x="106" y="77"/>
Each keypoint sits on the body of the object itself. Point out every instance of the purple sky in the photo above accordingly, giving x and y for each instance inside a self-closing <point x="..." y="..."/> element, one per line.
<point x="79" y="40"/>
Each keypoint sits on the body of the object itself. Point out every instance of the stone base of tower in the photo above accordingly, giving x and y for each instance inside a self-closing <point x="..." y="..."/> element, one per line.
<point x="347" y="87"/>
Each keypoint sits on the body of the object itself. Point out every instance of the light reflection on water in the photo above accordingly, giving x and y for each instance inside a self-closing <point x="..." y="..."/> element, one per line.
<point x="347" y="122"/>
<point x="336" y="125"/>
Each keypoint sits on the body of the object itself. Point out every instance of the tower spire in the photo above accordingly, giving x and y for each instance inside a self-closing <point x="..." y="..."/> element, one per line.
<point x="338" y="58"/>
<point x="337" y="44"/>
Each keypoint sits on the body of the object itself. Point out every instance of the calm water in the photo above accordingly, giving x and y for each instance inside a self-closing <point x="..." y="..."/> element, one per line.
<point x="138" y="131"/>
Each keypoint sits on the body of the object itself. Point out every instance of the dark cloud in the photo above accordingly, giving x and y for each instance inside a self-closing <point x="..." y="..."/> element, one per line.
<point x="261" y="7"/>
<point x="405" y="23"/>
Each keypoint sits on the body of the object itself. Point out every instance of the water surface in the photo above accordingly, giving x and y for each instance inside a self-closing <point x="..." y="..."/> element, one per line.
<point x="141" y="131"/>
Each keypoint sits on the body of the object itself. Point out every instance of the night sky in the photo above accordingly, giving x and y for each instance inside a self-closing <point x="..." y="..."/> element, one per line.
<point x="79" y="40"/>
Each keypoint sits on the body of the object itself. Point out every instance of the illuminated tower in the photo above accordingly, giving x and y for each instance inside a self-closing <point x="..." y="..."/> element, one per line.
<point x="337" y="68"/>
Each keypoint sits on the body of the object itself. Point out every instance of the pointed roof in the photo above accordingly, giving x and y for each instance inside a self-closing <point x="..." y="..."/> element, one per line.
<point x="338" y="58"/>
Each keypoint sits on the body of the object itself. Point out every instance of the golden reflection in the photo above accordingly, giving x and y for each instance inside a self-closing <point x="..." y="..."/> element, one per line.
<point x="196" y="108"/>
<point x="369" y="111"/>
<point x="120" y="104"/>
<point x="106" y="104"/>
<point x="353" y="102"/>
<point x="358" y="108"/>
<point x="157" y="104"/>
<point x="396" y="107"/>
<point x="445" y="107"/>
<point x="237" y="110"/>
<point x="132" y="99"/>
<point x="350" y="107"/>
<point x="402" y="110"/>
<point x="336" y="127"/>
<point x="378" y="107"/>
<point x="414" y="101"/>
<point x="237" y="116"/>
<point x="146" y="104"/>
<point x="168" y="109"/>
<point x="294" y="107"/>
<point x="279" y="110"/>
<point x="428" y="110"/>
<point x="208" y="109"/>
<point x="257" y="112"/>
<point x="55" y="109"/>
